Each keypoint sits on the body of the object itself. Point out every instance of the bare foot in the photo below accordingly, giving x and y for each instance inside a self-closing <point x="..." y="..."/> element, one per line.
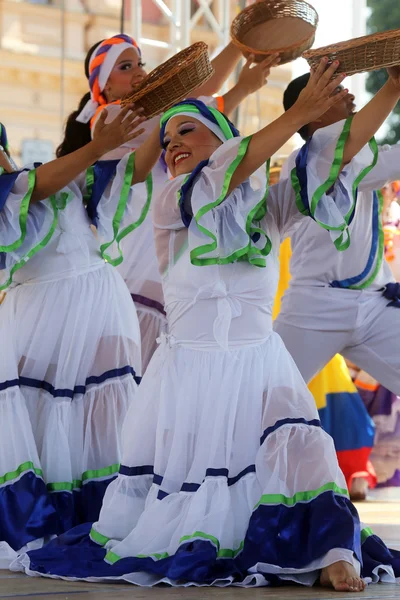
<point x="343" y="577"/>
<point x="359" y="489"/>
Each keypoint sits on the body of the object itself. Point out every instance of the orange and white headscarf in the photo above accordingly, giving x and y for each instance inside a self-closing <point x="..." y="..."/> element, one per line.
<point x="101" y="64"/>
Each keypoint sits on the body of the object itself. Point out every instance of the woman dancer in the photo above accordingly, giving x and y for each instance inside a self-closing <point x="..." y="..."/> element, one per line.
<point x="227" y="476"/>
<point x="113" y="67"/>
<point x="70" y="351"/>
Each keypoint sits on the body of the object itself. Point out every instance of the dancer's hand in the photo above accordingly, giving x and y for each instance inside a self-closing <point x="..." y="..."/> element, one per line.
<point x="394" y="77"/>
<point x="318" y="96"/>
<point x="253" y="78"/>
<point x="122" y="129"/>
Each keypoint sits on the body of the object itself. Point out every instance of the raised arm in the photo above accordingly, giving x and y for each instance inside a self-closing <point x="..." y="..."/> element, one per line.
<point x="223" y="65"/>
<point x="250" y="80"/>
<point x="313" y="101"/>
<point x="370" y="118"/>
<point x="147" y="155"/>
<point x="53" y="176"/>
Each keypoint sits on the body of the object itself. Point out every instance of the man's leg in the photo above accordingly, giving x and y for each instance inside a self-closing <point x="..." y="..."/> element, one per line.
<point x="378" y="350"/>
<point x="311" y="349"/>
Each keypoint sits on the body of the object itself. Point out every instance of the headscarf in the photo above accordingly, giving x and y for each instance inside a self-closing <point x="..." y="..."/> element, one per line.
<point x="212" y="118"/>
<point x="101" y="64"/>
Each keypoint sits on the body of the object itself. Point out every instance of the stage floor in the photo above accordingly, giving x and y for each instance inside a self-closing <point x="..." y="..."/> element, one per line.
<point x="383" y="517"/>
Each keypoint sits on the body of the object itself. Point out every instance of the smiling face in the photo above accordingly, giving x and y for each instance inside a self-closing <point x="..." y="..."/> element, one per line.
<point x="187" y="142"/>
<point x="128" y="71"/>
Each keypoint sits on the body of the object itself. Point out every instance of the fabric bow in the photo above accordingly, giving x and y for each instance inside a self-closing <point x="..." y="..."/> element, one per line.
<point x="392" y="292"/>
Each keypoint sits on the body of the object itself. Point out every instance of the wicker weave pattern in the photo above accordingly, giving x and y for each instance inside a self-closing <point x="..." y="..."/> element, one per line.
<point x="260" y="13"/>
<point x="172" y="81"/>
<point x="366" y="53"/>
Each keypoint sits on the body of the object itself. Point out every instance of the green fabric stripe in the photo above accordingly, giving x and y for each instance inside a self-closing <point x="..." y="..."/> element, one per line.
<point x="191" y="108"/>
<point x="380" y="252"/>
<point x="119" y="213"/>
<point x="343" y="242"/>
<point x="112" y="558"/>
<point x="366" y="533"/>
<point x="18" y="265"/>
<point x="89" y="184"/>
<point x="26" y="466"/>
<point x="300" y="496"/>
<point x="247" y="252"/>
<point x="68" y="486"/>
<point x="335" y="167"/>
<point x="99" y="538"/>
<point x="129" y="228"/>
<point x="104" y="472"/>
<point x="61" y="486"/>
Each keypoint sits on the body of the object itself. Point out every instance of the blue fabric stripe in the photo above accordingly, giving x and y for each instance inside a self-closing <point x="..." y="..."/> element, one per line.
<point x="376" y="553"/>
<point x="27" y="511"/>
<point x="68" y="393"/>
<point x="7" y="181"/>
<point x="339" y="416"/>
<point x="136" y="471"/>
<point x="3" y="137"/>
<point x="104" y="171"/>
<point x="290" y="537"/>
<point x="301" y="172"/>
<point x="269" y="430"/>
<point x="157" y="479"/>
<point x="351" y="281"/>
<point x="186" y="188"/>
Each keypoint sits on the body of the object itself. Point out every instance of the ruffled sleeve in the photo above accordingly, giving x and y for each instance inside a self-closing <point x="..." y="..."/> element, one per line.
<point x="25" y="228"/>
<point x="386" y="170"/>
<point x="110" y="197"/>
<point x="224" y="228"/>
<point x="324" y="192"/>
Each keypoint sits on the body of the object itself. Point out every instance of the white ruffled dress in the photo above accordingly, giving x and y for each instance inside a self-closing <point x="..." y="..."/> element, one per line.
<point x="69" y="353"/>
<point x="139" y="268"/>
<point x="227" y="476"/>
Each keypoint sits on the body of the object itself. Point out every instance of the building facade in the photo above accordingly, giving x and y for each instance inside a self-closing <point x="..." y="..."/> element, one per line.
<point x="43" y="44"/>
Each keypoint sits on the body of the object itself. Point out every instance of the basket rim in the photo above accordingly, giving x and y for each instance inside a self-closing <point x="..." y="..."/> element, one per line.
<point x="298" y="44"/>
<point x="196" y="50"/>
<point x="353" y="43"/>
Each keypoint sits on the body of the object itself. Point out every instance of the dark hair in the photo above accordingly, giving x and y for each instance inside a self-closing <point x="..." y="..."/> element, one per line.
<point x="291" y="95"/>
<point x="77" y="135"/>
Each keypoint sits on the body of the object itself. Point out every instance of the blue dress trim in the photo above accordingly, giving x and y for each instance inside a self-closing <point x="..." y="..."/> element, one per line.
<point x="351" y="281"/>
<point x="289" y="537"/>
<point x="69" y="393"/>
<point x="103" y="171"/>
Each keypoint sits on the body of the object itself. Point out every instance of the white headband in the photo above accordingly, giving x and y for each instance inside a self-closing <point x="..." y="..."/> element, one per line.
<point x="110" y="59"/>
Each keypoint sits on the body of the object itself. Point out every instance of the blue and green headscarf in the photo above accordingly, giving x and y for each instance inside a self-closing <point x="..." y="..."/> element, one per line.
<point x="217" y="122"/>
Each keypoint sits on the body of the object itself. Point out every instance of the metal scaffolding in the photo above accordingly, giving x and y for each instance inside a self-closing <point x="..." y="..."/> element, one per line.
<point x="182" y="18"/>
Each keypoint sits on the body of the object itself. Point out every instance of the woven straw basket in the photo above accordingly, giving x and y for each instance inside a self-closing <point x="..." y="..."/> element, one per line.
<point x="172" y="81"/>
<point x="286" y="27"/>
<point x="366" y="53"/>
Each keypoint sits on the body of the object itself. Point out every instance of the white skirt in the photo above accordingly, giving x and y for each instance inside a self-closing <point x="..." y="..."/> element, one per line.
<point x="152" y="323"/>
<point x="69" y="360"/>
<point x="227" y="478"/>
